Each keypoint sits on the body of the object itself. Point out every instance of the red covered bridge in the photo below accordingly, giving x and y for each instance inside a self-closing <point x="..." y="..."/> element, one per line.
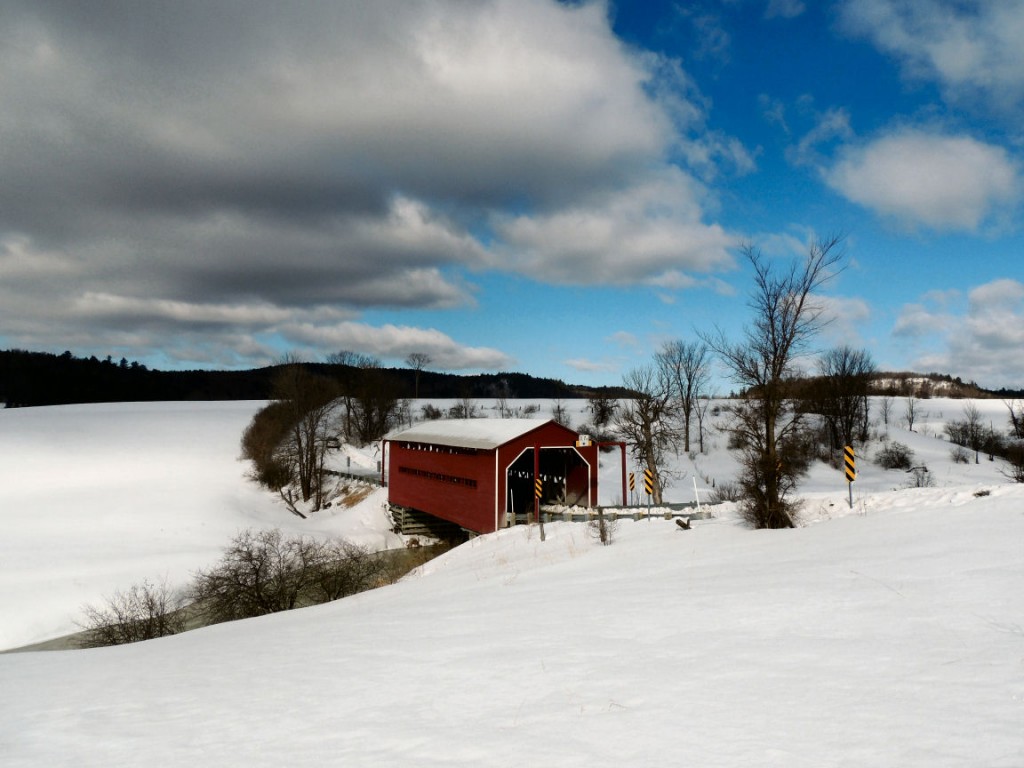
<point x="480" y="473"/>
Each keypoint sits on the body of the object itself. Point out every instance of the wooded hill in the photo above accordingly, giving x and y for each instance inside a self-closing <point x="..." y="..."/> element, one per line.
<point x="40" y="378"/>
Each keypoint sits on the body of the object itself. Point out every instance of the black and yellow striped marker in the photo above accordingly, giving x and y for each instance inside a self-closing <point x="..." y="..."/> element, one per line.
<point x="851" y="464"/>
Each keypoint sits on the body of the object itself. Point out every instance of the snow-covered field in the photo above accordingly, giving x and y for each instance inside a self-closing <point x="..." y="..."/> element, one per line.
<point x="889" y="635"/>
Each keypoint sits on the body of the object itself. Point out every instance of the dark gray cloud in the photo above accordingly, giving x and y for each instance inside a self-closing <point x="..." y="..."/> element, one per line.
<point x="264" y="158"/>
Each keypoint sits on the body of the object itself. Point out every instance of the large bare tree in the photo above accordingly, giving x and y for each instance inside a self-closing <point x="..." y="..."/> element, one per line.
<point x="767" y="427"/>
<point x="843" y="394"/>
<point x="687" y="364"/>
<point x="309" y="404"/>
<point x="646" y="422"/>
<point x="369" y="396"/>
<point x="1016" y="408"/>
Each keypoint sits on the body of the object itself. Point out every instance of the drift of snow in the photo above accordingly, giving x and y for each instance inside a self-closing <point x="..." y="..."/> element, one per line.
<point x="892" y="634"/>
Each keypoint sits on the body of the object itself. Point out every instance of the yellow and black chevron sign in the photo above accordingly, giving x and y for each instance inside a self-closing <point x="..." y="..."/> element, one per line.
<point x="538" y="488"/>
<point x="648" y="482"/>
<point x="632" y="481"/>
<point x="851" y="464"/>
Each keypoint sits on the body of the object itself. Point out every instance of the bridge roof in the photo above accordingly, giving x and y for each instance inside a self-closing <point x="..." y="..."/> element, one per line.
<point x="486" y="434"/>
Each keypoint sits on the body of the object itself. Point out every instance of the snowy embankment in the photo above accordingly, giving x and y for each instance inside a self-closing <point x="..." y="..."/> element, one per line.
<point x="894" y="637"/>
<point x="892" y="634"/>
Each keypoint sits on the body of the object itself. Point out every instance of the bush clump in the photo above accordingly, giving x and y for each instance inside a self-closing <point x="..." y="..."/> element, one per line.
<point x="146" y="611"/>
<point x="724" y="492"/>
<point x="264" y="572"/>
<point x="895" y="456"/>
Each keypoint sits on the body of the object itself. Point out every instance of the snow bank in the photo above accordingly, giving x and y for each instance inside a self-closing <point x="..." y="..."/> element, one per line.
<point x="887" y="638"/>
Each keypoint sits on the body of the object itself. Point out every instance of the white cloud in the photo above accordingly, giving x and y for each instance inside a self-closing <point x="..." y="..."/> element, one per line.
<point x="773" y="110"/>
<point x="998" y="295"/>
<point x="650" y="233"/>
<point x="917" y="178"/>
<point x="624" y="339"/>
<point x="396" y="342"/>
<point x="845" y="316"/>
<point x="589" y="366"/>
<point x="970" y="49"/>
<point x="786" y="9"/>
<point x="143" y="311"/>
<point x="829" y="127"/>
<point x="980" y="340"/>
<point x="917" y="320"/>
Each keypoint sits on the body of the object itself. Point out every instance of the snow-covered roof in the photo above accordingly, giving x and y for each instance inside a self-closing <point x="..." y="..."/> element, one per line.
<point x="485" y="434"/>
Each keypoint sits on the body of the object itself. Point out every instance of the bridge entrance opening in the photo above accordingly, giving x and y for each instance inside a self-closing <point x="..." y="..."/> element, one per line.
<point x="564" y="476"/>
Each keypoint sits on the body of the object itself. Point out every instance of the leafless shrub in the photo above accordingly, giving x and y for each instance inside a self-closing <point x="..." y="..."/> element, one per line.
<point x="603" y="408"/>
<point x="724" y="492"/>
<point x="920" y="477"/>
<point x="895" y="455"/>
<point x="960" y="455"/>
<point x="603" y="527"/>
<point x="263" y="572"/>
<point x="146" y="611"/>
<point x="431" y="412"/>
<point x="347" y="569"/>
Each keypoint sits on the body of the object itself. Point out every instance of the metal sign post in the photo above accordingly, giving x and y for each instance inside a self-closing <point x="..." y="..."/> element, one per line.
<point x="538" y="492"/>
<point x="649" y="488"/>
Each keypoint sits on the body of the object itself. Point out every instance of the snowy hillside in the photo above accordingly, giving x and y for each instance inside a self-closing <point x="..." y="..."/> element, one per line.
<point x="890" y="635"/>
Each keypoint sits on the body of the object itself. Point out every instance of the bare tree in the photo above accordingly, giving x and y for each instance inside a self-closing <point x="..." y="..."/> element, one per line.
<point x="1015" y="461"/>
<point x="309" y="403"/>
<point x="369" y="396"/>
<point x="973" y="429"/>
<point x="349" y="369"/>
<point x="843" y="394"/>
<point x="418" y="361"/>
<point x="560" y="413"/>
<point x="767" y="427"/>
<point x="1016" y="409"/>
<point x="885" y="404"/>
<point x="602" y="407"/>
<point x="687" y="366"/>
<point x="700" y="410"/>
<point x="646" y="422"/>
<point x="287" y="441"/>
<point x="911" y="411"/>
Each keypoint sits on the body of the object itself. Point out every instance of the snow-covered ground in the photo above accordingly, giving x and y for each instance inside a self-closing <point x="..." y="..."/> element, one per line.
<point x="892" y="634"/>
<point x="94" y="498"/>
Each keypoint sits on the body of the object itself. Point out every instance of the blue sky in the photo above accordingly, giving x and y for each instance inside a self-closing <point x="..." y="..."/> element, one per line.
<point x="556" y="188"/>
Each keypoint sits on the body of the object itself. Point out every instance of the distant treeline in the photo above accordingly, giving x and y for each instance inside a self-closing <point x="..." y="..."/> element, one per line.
<point x="41" y="378"/>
